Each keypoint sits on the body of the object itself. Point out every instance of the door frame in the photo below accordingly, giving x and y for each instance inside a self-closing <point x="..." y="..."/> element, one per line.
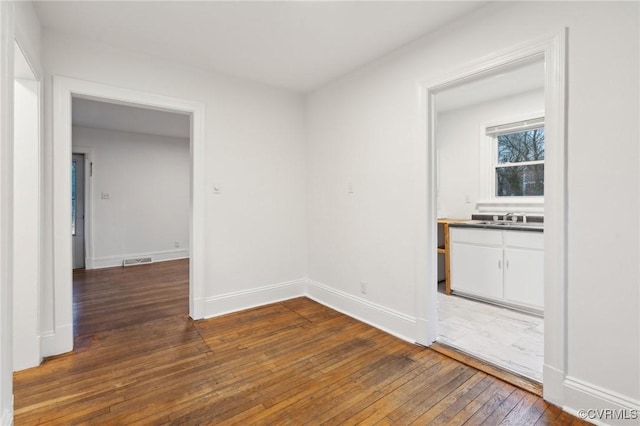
<point x="64" y="89"/>
<point x="553" y="49"/>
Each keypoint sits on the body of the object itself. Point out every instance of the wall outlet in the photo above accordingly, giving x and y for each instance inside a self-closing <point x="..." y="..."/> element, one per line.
<point x="467" y="199"/>
<point x="176" y="244"/>
<point x="105" y="196"/>
<point x="363" y="287"/>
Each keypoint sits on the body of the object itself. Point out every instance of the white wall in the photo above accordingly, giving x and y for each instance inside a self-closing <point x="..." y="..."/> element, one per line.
<point x="362" y="130"/>
<point x="255" y="233"/>
<point x="458" y="138"/>
<point x="26" y="223"/>
<point x="6" y="213"/>
<point x="147" y="179"/>
<point x="18" y="23"/>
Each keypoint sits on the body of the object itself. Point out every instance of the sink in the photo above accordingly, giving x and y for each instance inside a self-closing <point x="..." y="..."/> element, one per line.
<point x="507" y="223"/>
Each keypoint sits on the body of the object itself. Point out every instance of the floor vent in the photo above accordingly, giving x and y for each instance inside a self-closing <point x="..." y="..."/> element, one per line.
<point x="136" y="261"/>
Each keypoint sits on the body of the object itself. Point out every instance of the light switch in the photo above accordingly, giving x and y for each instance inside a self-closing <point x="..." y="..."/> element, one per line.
<point x="216" y="188"/>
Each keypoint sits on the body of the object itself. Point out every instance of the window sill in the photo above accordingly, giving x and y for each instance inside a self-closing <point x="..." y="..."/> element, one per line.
<point x="511" y="205"/>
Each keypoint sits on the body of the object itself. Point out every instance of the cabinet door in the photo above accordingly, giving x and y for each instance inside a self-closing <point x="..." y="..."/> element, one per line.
<point x="524" y="277"/>
<point x="477" y="270"/>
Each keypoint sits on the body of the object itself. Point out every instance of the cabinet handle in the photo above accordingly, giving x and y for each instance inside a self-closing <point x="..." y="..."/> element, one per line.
<point x="499" y="264"/>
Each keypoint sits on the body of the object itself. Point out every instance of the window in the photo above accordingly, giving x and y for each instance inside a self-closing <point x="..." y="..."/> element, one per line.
<point x="520" y="166"/>
<point x="518" y="158"/>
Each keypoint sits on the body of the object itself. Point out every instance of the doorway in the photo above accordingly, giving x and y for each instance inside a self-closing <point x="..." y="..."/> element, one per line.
<point x="138" y="195"/>
<point x="490" y="145"/>
<point x="77" y="210"/>
<point x="553" y="50"/>
<point x="64" y="90"/>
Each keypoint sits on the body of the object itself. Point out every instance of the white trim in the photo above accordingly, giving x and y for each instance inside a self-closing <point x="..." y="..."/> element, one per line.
<point x="553" y="379"/>
<point x="552" y="49"/>
<point x="7" y="417"/>
<point x="524" y="205"/>
<point x="63" y="90"/>
<point x="246" y="299"/>
<point x="579" y="395"/>
<point x="116" y="260"/>
<point x="6" y="209"/>
<point x="380" y="317"/>
<point x="48" y="344"/>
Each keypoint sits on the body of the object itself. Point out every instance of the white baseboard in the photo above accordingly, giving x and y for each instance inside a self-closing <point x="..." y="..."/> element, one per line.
<point x="246" y="299"/>
<point x="116" y="260"/>
<point x="385" y="319"/>
<point x="7" y="417"/>
<point x="581" y="395"/>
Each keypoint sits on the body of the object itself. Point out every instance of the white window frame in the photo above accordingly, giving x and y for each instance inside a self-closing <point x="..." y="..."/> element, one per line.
<point x="488" y="150"/>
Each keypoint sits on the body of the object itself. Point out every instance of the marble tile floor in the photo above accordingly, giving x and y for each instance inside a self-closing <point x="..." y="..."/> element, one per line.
<point x="509" y="339"/>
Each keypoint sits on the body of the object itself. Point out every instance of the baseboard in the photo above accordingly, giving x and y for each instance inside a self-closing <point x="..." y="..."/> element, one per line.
<point x="246" y="299"/>
<point x="385" y="319"/>
<point x="605" y="405"/>
<point x="7" y="417"/>
<point x="116" y="260"/>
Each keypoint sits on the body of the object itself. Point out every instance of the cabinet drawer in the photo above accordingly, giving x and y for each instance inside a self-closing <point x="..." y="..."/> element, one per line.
<point x="488" y="237"/>
<point x="524" y="239"/>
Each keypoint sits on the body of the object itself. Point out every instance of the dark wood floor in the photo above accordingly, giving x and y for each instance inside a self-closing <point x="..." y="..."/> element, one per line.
<point x="139" y="359"/>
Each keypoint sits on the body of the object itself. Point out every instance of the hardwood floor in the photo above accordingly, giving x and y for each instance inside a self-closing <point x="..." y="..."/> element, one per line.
<point x="139" y="359"/>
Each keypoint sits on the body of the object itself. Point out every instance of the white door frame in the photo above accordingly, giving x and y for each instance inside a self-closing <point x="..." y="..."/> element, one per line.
<point x="553" y="49"/>
<point x="64" y="89"/>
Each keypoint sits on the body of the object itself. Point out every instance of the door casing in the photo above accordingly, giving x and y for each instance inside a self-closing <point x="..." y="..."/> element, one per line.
<point x="552" y="48"/>
<point x="64" y="89"/>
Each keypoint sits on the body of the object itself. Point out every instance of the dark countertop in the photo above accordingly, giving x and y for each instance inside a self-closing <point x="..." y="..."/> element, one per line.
<point x="501" y="225"/>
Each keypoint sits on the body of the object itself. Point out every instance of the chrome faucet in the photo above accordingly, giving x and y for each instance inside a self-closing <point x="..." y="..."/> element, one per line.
<point x="514" y="217"/>
<point x="510" y="216"/>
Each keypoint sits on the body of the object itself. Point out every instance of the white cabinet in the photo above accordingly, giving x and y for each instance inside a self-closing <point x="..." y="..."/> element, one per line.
<point x="468" y="262"/>
<point x="524" y="277"/>
<point x="503" y="266"/>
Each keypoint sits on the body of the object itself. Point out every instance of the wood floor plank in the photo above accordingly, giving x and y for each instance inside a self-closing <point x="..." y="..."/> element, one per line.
<point x="139" y="359"/>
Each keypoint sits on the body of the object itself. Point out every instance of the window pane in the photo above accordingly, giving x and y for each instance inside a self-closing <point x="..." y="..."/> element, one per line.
<point x="521" y="146"/>
<point x="519" y="181"/>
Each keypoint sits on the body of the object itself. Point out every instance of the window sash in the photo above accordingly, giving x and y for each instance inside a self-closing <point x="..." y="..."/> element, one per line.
<point x="515" y="127"/>
<point x="522" y="163"/>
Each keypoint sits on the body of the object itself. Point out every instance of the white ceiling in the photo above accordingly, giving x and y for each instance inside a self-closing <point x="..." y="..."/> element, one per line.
<point x="108" y="116"/>
<point x="297" y="45"/>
